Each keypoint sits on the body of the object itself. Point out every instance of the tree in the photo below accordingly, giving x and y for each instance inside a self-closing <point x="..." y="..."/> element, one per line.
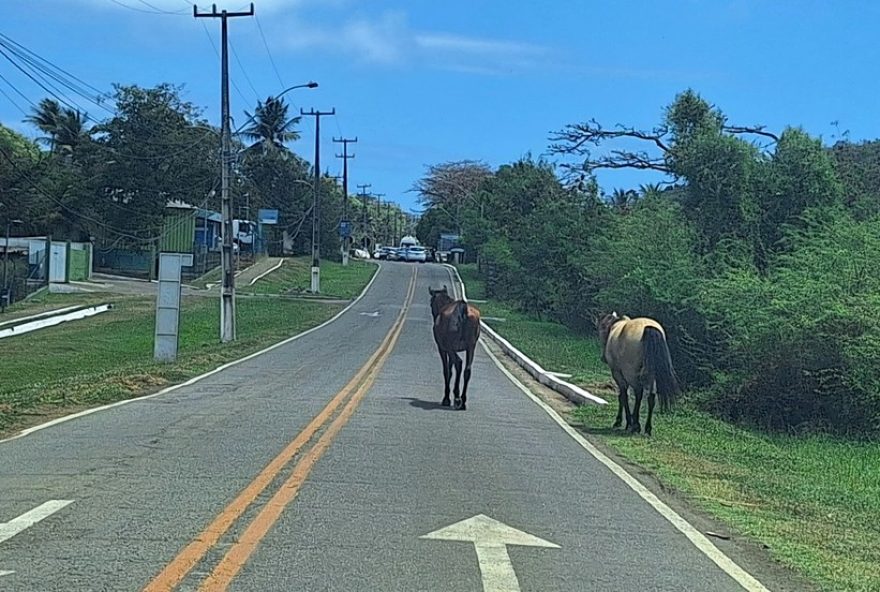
<point x="271" y="129"/>
<point x="688" y="116"/>
<point x="65" y="129"/>
<point x="452" y="185"/>
<point x="156" y="149"/>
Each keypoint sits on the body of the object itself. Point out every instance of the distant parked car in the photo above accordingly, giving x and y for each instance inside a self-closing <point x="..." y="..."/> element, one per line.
<point x="415" y="254"/>
<point x="360" y="254"/>
<point x="393" y="254"/>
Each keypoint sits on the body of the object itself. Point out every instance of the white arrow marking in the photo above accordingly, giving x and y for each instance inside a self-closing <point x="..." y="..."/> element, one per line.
<point x="5" y="573"/>
<point x="28" y="519"/>
<point x="490" y="539"/>
<point x="370" y="314"/>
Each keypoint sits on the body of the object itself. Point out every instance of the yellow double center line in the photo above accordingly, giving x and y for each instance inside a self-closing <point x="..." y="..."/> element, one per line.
<point x="224" y="572"/>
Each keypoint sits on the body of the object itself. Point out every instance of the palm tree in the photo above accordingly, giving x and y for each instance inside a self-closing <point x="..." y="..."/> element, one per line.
<point x="623" y="199"/>
<point x="271" y="128"/>
<point x="45" y="117"/>
<point x="71" y="132"/>
<point x="65" y="128"/>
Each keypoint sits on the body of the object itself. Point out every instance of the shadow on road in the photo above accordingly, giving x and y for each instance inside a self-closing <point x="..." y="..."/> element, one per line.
<point x="426" y="405"/>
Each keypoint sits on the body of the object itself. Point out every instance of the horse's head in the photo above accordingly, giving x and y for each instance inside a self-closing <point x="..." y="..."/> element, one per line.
<point x="605" y="323"/>
<point x="439" y="299"/>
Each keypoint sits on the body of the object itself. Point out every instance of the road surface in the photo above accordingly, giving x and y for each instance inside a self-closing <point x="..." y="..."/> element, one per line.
<point x="327" y="464"/>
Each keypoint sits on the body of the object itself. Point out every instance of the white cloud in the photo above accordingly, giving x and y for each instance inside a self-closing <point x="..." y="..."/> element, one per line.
<point x="388" y="39"/>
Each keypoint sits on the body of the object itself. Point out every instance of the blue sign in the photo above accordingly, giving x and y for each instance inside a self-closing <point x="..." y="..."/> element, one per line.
<point x="267" y="216"/>
<point x="345" y="229"/>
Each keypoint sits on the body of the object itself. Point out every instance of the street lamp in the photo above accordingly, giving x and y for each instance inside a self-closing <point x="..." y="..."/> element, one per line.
<point x="4" y="301"/>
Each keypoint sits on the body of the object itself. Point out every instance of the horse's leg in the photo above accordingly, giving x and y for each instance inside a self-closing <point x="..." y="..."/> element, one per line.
<point x="651" y="395"/>
<point x="447" y="369"/>
<point x="622" y="400"/>
<point x="635" y="426"/>
<point x="457" y="389"/>
<point x="469" y="360"/>
<point x="621" y="397"/>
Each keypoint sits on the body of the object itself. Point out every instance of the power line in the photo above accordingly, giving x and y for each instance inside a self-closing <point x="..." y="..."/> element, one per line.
<point x="244" y="71"/>
<point x="269" y="53"/>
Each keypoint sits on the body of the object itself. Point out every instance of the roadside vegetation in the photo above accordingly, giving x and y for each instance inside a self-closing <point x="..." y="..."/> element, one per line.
<point x="810" y="499"/>
<point x="757" y="252"/>
<point x="294" y="278"/>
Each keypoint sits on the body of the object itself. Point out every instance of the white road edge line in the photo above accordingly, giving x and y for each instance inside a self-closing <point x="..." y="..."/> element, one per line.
<point x="265" y="273"/>
<point x="742" y="577"/>
<point x="196" y="379"/>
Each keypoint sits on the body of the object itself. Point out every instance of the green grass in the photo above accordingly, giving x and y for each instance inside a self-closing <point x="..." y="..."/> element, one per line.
<point x="294" y="277"/>
<point x="813" y="501"/>
<point x="109" y="357"/>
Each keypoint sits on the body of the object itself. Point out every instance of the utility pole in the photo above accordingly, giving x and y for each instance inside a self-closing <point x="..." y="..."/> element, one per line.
<point x="378" y="197"/>
<point x="364" y="196"/>
<point x="345" y="156"/>
<point x="316" y="204"/>
<point x="227" y="290"/>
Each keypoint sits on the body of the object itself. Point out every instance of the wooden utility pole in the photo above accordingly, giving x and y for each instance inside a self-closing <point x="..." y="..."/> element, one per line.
<point x="227" y="290"/>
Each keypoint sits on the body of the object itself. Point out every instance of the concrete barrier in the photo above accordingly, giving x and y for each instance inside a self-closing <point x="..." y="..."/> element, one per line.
<point x="572" y="392"/>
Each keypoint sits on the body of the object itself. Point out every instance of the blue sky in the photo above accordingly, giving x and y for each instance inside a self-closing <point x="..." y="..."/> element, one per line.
<point x="422" y="82"/>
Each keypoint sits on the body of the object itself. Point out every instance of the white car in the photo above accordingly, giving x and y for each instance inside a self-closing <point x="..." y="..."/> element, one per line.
<point x="416" y="254"/>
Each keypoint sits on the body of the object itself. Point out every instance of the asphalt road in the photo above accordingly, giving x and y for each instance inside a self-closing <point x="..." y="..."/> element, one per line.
<point x="166" y="493"/>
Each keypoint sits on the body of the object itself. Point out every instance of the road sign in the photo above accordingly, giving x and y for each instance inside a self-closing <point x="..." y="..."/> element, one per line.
<point x="267" y="217"/>
<point x="490" y="539"/>
<point x="345" y="229"/>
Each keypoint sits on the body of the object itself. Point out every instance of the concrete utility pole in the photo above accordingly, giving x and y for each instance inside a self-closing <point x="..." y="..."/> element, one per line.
<point x="378" y="197"/>
<point x="227" y="290"/>
<point x="345" y="156"/>
<point x="316" y="203"/>
<point x="364" y="195"/>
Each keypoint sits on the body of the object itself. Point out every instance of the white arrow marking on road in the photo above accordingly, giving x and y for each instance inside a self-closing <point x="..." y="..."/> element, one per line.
<point x="28" y="519"/>
<point x="5" y="573"/>
<point x="490" y="539"/>
<point x="370" y="314"/>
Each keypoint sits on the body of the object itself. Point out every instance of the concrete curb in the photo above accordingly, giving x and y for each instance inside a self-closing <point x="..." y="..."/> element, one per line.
<point x="573" y="393"/>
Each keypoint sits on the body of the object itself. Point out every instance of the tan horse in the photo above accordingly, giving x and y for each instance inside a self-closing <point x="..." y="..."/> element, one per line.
<point x="456" y="328"/>
<point x="637" y="353"/>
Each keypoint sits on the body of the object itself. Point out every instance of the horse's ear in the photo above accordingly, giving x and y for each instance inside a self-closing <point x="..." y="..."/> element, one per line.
<point x="444" y="288"/>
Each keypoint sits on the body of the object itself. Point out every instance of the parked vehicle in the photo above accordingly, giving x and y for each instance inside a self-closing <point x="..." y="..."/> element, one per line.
<point x="415" y="254"/>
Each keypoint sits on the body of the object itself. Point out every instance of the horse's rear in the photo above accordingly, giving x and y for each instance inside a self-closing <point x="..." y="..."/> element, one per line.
<point x="638" y="355"/>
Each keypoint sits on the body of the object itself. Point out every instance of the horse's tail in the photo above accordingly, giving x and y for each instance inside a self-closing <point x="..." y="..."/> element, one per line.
<point x="659" y="364"/>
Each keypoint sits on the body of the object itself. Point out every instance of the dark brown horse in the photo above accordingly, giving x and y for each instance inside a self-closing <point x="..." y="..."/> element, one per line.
<point x="636" y="352"/>
<point x="456" y="328"/>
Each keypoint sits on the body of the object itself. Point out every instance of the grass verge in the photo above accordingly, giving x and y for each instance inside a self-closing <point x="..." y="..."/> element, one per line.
<point x="109" y="357"/>
<point x="294" y="278"/>
<point x="814" y="501"/>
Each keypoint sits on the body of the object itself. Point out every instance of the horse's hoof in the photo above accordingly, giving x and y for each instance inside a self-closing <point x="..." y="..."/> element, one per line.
<point x="445" y="402"/>
<point x="615" y="425"/>
<point x="635" y="429"/>
<point x="647" y="430"/>
<point x="458" y="403"/>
